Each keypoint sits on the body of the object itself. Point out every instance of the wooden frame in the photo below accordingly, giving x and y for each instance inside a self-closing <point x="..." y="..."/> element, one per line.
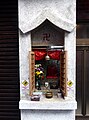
<point x="31" y="72"/>
<point x="63" y="73"/>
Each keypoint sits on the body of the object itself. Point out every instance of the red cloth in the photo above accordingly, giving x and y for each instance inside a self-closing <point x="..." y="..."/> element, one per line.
<point x="40" y="54"/>
<point x="54" y="54"/>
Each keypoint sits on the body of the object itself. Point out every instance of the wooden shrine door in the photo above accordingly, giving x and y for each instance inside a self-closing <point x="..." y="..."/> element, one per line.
<point x="63" y="73"/>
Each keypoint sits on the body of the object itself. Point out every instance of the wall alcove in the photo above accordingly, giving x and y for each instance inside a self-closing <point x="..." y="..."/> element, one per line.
<point x="47" y="26"/>
<point x="47" y="40"/>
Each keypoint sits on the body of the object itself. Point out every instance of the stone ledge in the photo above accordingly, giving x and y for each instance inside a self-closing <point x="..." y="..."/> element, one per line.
<point x="48" y="104"/>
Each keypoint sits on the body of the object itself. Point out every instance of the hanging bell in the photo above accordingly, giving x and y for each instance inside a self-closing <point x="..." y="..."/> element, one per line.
<point x="47" y="57"/>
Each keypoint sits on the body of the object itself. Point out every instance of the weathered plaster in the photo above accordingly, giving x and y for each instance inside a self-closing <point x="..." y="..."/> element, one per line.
<point x="47" y="115"/>
<point x="24" y="48"/>
<point x="34" y="12"/>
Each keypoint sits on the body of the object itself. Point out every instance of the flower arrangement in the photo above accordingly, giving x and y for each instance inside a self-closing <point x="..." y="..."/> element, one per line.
<point x="39" y="75"/>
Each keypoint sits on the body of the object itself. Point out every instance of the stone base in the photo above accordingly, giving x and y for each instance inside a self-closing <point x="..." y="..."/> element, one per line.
<point x="48" y="104"/>
<point x="47" y="115"/>
<point x="48" y="109"/>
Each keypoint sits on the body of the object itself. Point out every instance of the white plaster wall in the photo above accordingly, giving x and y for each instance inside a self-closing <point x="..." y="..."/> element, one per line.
<point x="24" y="48"/>
<point x="47" y="115"/>
<point x="33" y="12"/>
<point x="70" y="47"/>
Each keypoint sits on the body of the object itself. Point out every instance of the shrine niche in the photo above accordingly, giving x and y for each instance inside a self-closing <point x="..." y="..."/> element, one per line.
<point x="53" y="72"/>
<point x="48" y="41"/>
<point x="47" y="53"/>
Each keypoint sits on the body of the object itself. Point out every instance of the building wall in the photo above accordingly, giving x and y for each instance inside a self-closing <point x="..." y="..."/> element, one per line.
<point x="9" y="78"/>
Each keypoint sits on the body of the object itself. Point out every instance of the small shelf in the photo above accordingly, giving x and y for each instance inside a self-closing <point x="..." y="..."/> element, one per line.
<point x="48" y="104"/>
